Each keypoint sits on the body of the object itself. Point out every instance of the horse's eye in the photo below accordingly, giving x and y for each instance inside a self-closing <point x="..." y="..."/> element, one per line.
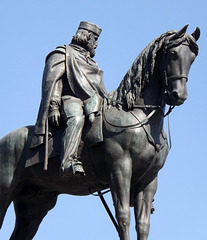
<point x="173" y="55"/>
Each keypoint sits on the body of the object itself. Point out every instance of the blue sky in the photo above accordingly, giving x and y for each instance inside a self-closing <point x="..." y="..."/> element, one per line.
<point x="31" y="29"/>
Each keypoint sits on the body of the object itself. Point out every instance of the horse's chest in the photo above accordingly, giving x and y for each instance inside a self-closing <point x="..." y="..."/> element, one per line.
<point x="144" y="152"/>
<point x="144" y="145"/>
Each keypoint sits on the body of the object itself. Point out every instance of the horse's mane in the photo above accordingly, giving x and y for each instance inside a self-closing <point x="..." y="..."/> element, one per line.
<point x="142" y="69"/>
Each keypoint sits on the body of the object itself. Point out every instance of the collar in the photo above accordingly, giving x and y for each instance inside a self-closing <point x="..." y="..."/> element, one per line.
<point x="84" y="52"/>
<point x="79" y="49"/>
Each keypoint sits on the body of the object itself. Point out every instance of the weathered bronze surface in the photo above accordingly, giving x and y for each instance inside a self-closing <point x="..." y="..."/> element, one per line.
<point x="122" y="144"/>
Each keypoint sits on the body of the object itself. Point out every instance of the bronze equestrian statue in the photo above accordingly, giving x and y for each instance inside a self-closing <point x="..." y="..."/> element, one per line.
<point x="128" y="158"/>
<point x="72" y="87"/>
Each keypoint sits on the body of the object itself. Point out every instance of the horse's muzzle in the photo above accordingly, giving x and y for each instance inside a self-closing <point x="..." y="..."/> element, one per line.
<point x="175" y="98"/>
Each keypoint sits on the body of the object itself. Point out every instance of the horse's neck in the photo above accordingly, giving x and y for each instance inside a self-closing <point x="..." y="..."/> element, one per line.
<point x="153" y="93"/>
<point x="153" y="96"/>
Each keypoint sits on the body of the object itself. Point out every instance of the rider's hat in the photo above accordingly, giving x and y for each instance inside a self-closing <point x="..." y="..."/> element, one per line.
<point x="91" y="27"/>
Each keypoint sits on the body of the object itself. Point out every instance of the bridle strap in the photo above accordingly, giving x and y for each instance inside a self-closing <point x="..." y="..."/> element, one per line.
<point x="173" y="77"/>
<point x="169" y="110"/>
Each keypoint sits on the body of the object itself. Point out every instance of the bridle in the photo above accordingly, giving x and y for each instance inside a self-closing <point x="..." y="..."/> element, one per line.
<point x="166" y="84"/>
<point x="166" y="78"/>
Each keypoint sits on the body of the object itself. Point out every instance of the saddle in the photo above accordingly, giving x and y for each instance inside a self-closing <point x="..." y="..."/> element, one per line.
<point x="92" y="134"/>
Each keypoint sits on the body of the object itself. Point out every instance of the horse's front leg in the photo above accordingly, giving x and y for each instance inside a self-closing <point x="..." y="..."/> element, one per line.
<point x="142" y="209"/>
<point x="121" y="172"/>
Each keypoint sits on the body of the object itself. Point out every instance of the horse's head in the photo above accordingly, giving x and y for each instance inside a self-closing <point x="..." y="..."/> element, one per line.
<point x="169" y="58"/>
<point x="179" y="52"/>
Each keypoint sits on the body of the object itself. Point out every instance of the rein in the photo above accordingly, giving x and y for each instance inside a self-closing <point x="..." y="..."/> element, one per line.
<point x="135" y="105"/>
<point x="139" y="123"/>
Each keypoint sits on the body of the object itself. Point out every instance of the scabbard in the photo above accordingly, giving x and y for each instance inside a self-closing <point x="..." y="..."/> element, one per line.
<point x="46" y="145"/>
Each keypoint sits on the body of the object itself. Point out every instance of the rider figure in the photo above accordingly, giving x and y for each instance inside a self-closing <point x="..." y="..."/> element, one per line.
<point x="72" y="88"/>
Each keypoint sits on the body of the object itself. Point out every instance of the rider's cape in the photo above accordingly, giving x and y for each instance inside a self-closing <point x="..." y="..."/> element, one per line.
<point x="83" y="76"/>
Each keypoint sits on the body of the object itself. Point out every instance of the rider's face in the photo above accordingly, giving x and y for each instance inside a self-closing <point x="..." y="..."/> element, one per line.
<point x="92" y="44"/>
<point x="94" y="40"/>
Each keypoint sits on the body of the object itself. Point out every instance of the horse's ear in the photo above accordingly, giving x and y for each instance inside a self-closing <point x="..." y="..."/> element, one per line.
<point x="196" y="33"/>
<point x="180" y="33"/>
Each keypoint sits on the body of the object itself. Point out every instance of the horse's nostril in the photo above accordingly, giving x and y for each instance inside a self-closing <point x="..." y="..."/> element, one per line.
<point x="175" y="94"/>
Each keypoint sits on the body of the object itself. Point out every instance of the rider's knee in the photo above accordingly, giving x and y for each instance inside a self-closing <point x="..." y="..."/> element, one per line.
<point x="73" y="109"/>
<point x="79" y="120"/>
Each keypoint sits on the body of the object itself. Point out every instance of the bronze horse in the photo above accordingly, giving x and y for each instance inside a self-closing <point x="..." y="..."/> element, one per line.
<point x="127" y="161"/>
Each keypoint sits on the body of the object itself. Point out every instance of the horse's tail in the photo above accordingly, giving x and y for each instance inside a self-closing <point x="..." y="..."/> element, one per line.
<point x="12" y="147"/>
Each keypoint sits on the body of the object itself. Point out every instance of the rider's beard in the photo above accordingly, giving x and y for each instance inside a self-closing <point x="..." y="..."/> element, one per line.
<point x="91" y="48"/>
<point x="92" y="52"/>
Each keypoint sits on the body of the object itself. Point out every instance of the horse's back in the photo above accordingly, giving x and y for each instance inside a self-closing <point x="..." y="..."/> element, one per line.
<point x="15" y="140"/>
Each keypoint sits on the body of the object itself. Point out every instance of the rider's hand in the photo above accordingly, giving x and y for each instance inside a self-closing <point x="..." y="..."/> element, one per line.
<point x="54" y="118"/>
<point x="91" y="117"/>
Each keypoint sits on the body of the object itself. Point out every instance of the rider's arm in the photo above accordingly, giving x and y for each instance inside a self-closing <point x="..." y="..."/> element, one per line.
<point x="55" y="102"/>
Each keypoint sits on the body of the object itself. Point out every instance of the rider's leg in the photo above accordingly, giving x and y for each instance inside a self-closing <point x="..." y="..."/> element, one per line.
<point x="74" y="121"/>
